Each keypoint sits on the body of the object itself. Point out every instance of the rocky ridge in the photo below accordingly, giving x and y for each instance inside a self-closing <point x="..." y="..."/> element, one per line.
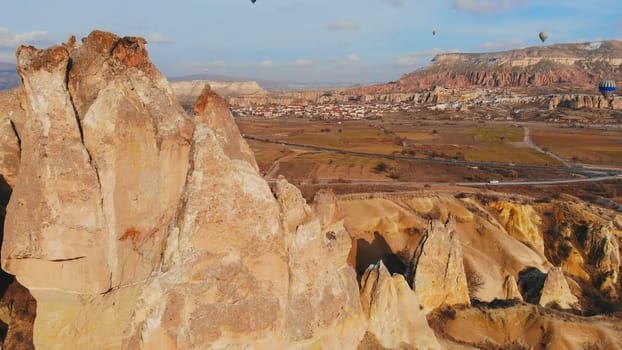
<point x="577" y="67"/>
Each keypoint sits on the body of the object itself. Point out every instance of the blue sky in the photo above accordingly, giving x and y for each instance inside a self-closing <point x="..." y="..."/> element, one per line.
<point x="313" y="41"/>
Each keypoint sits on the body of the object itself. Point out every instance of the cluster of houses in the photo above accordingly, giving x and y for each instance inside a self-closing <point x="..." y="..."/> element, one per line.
<point x="322" y="111"/>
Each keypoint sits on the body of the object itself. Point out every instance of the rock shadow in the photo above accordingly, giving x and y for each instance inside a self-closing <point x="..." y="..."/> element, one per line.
<point x="17" y="306"/>
<point x="370" y="253"/>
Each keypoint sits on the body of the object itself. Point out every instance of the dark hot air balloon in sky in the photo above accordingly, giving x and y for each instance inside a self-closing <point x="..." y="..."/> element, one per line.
<point x="253" y="1"/>
<point x="543" y="36"/>
<point x="434" y="32"/>
<point x="607" y="87"/>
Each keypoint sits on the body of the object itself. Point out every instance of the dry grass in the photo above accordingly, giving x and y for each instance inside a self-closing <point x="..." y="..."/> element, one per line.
<point x="590" y="146"/>
<point x="473" y="141"/>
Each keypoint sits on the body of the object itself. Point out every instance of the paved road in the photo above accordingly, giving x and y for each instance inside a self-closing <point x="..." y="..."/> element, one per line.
<point x="477" y="184"/>
<point x="540" y="182"/>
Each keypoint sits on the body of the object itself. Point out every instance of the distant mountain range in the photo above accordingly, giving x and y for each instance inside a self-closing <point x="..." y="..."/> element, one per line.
<point x="272" y="85"/>
<point x="8" y="76"/>
<point x="576" y="67"/>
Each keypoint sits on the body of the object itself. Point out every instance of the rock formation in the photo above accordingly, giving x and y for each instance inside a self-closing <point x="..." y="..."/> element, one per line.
<point x="586" y="247"/>
<point x="323" y="305"/>
<point x="522" y="222"/>
<point x="577" y="67"/>
<point x="522" y="327"/>
<point x="218" y="118"/>
<point x="391" y="225"/>
<point x="436" y="272"/>
<point x="511" y="289"/>
<point x="394" y="312"/>
<point x="556" y="291"/>
<point x="137" y="226"/>
<point x="602" y="249"/>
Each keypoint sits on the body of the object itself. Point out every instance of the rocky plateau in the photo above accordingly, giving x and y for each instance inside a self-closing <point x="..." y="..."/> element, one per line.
<point x="130" y="222"/>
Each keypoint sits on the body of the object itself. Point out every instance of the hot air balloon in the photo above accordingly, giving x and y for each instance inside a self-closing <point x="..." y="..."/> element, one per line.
<point x="253" y="1"/>
<point x="434" y="32"/>
<point x="607" y="87"/>
<point x="543" y="36"/>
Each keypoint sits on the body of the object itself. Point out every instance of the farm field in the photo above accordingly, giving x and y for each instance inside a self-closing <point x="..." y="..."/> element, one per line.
<point x="581" y="146"/>
<point x="500" y="143"/>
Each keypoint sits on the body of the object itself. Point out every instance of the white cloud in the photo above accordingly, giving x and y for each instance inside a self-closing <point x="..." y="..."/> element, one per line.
<point x="502" y="44"/>
<point x="417" y="58"/>
<point x="265" y="64"/>
<point x="396" y="3"/>
<point x="10" y="40"/>
<point x="343" y="24"/>
<point x="353" y="57"/>
<point x="486" y="6"/>
<point x="158" y="38"/>
<point x="300" y="63"/>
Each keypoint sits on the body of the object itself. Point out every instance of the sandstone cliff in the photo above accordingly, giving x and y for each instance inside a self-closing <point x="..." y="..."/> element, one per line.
<point x="135" y="225"/>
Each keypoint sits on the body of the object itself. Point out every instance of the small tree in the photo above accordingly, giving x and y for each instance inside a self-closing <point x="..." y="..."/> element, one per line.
<point x="381" y="167"/>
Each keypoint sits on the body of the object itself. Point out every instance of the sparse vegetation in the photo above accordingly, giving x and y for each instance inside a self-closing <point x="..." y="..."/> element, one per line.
<point x="475" y="281"/>
<point x="381" y="167"/>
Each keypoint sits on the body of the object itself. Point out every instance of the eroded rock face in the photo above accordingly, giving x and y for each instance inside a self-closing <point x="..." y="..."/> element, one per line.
<point x="57" y="195"/>
<point x="436" y="272"/>
<point x="395" y="316"/>
<point x="126" y="190"/>
<point x="137" y="226"/>
<point x="323" y="307"/>
<point x="521" y="221"/>
<point x="219" y="119"/>
<point x="602" y="249"/>
<point x="586" y="246"/>
<point x="522" y="326"/>
<point x="556" y="291"/>
<point x="104" y="161"/>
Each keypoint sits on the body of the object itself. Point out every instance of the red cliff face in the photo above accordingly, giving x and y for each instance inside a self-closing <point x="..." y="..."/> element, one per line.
<point x="563" y="67"/>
